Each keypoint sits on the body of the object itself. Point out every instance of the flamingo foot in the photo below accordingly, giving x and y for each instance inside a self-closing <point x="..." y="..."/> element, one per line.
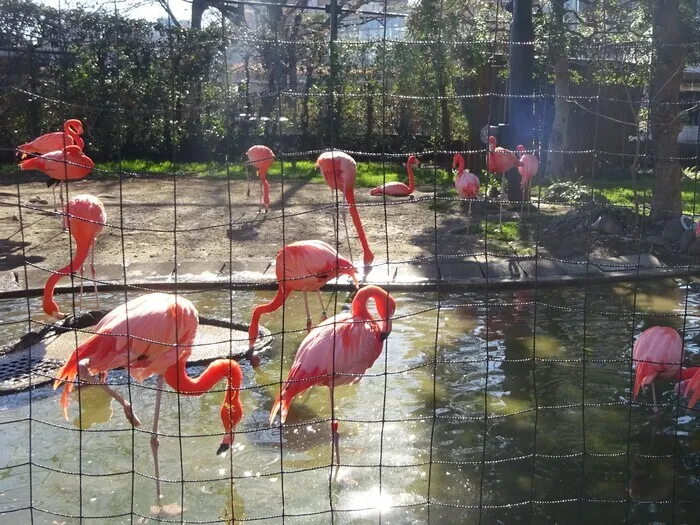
<point x="166" y="511"/>
<point x="308" y="324"/>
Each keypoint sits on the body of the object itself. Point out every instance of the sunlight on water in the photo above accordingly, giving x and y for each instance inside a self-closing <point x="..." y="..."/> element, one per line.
<point x="411" y="431"/>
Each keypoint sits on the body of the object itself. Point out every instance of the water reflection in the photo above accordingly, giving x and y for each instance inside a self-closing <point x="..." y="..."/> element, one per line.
<point x="467" y="406"/>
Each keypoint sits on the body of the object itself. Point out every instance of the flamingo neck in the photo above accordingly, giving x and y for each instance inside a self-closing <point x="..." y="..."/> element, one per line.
<point x="460" y="164"/>
<point x="81" y="253"/>
<point x="411" y="182"/>
<point x="366" y="250"/>
<point x="176" y="376"/>
<point x="360" y="309"/>
<point x="231" y="408"/>
<point x="267" y="308"/>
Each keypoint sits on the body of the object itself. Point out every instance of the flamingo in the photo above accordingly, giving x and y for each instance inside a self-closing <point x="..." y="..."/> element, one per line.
<point x="86" y="219"/>
<point x="262" y="158"/>
<point x="58" y="140"/>
<point x="658" y="352"/>
<point x="152" y="334"/>
<point x="528" y="169"/>
<point x="691" y="388"/>
<point x="500" y="160"/>
<point x="69" y="163"/>
<point x="399" y="189"/>
<point x="340" y="169"/>
<point x="303" y="266"/>
<point x="466" y="183"/>
<point x="338" y="352"/>
<point x="49" y="142"/>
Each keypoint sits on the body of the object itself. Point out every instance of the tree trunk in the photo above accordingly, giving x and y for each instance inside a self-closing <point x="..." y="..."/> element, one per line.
<point x="558" y="138"/>
<point x="198" y="8"/>
<point x="667" y="75"/>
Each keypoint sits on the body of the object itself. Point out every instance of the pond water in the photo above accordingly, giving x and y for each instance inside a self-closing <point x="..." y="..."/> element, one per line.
<point x="447" y="415"/>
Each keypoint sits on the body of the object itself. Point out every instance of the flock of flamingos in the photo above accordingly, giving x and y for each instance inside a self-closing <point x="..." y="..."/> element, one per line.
<point x="153" y="334"/>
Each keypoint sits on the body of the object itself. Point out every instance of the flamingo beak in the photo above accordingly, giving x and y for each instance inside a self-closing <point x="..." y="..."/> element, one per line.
<point x="225" y="445"/>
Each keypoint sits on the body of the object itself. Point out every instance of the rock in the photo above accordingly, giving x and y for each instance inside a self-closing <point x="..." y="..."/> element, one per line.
<point x="687" y="240"/>
<point x="15" y="218"/>
<point x="695" y="247"/>
<point x="608" y="225"/>
<point x="673" y="231"/>
<point x="38" y="200"/>
<point x="656" y="240"/>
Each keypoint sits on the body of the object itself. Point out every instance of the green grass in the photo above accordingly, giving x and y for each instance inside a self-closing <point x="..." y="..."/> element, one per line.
<point x="369" y="174"/>
<point x="507" y="239"/>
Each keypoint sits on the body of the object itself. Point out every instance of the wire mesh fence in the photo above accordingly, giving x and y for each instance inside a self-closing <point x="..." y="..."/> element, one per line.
<point x="493" y="379"/>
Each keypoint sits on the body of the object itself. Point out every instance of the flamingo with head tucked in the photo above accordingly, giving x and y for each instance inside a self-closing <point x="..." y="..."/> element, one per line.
<point x="528" y="169"/>
<point x="399" y="189"/>
<point x="340" y="170"/>
<point x="466" y="183"/>
<point x="262" y="158"/>
<point x="69" y="163"/>
<point x="338" y="352"/>
<point x="690" y="385"/>
<point x="152" y="335"/>
<point x="304" y="266"/>
<point x="500" y="160"/>
<point x="86" y="219"/>
<point x="57" y="141"/>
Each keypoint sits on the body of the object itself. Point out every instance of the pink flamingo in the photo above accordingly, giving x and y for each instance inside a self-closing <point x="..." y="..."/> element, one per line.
<point x="340" y="169"/>
<point x="691" y="388"/>
<point x="56" y="141"/>
<point x="500" y="160"/>
<point x="658" y="353"/>
<point x="466" y="183"/>
<point x="86" y="219"/>
<point x="399" y="189"/>
<point x="528" y="169"/>
<point x="303" y="266"/>
<point x="65" y="164"/>
<point x="338" y="352"/>
<point x="152" y="334"/>
<point x="262" y="158"/>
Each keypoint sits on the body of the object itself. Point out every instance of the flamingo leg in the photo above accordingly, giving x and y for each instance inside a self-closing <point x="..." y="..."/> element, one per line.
<point x="85" y="377"/>
<point x="155" y="442"/>
<point x="500" y="206"/>
<point x="92" y="273"/>
<point x="260" y="202"/>
<point x="657" y="411"/>
<point x="324" y="314"/>
<point x="82" y="278"/>
<point x="53" y="190"/>
<point x="335" y="439"/>
<point x="247" y="176"/>
<point x="308" y="312"/>
<point x="469" y="215"/>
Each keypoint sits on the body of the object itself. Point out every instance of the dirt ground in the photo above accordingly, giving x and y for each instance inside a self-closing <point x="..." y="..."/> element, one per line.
<point x="144" y="213"/>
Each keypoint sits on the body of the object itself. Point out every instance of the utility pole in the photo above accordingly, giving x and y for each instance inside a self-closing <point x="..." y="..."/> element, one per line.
<point x="521" y="60"/>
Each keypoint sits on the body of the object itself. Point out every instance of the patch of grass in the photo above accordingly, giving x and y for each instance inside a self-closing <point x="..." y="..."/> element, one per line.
<point x="508" y="239"/>
<point x="369" y="174"/>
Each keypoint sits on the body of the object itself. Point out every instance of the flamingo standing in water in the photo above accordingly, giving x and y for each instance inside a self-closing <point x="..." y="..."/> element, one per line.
<point x="69" y="163"/>
<point x="262" y="158"/>
<point x="152" y="334"/>
<point x="399" y="189"/>
<point x="658" y="352"/>
<point x="86" y="219"/>
<point x="500" y="160"/>
<point x="73" y="129"/>
<point x="340" y="170"/>
<point x="338" y="352"/>
<point x="691" y="388"/>
<point x="528" y="169"/>
<point x="304" y="266"/>
<point x="466" y="183"/>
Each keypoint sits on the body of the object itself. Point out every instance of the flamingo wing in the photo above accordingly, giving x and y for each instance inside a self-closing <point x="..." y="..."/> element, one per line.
<point x="395" y="189"/>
